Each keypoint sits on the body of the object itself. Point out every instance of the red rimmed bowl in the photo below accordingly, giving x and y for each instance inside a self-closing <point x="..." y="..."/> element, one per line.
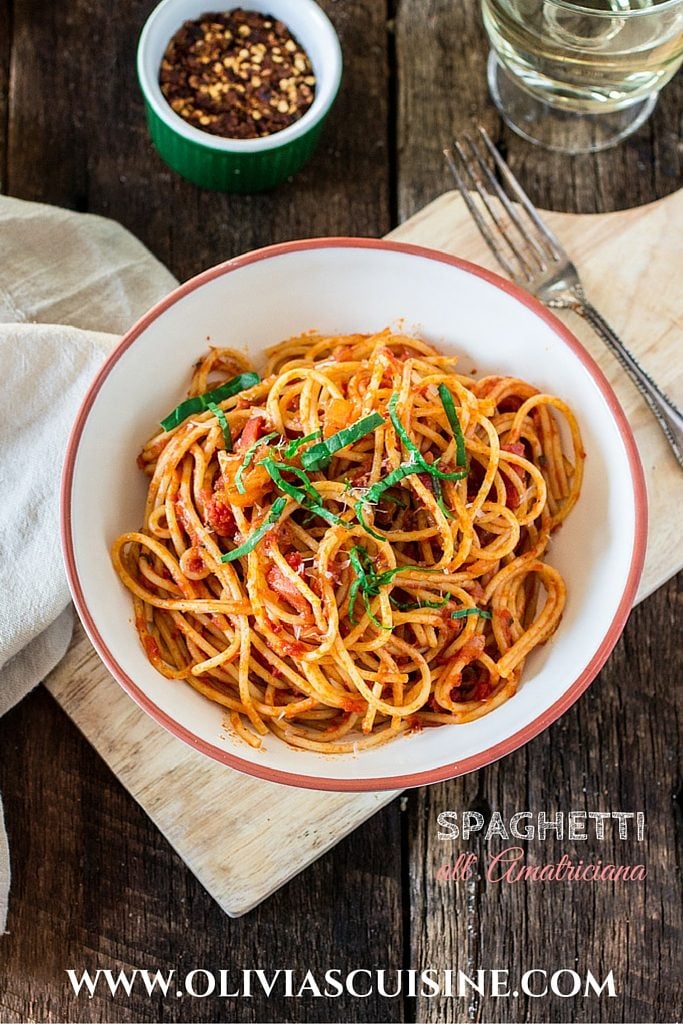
<point x="339" y="286"/>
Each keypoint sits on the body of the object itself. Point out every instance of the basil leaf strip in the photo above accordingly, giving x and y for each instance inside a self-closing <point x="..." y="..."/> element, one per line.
<point x="320" y="455"/>
<point x="438" y="496"/>
<point x="293" y="446"/>
<point x="416" y="454"/>
<point x="306" y="495"/>
<point x="401" y="430"/>
<point x="357" y="556"/>
<point x="251" y="542"/>
<point x="416" y="463"/>
<point x="400" y="473"/>
<point x="368" y="608"/>
<point x="225" y="426"/>
<point x="452" y="417"/>
<point x="462" y="612"/>
<point x="201" y="402"/>
<point x="369" y="582"/>
<point x="360" y="516"/>
<point x="249" y="458"/>
<point x="377" y="490"/>
<point x="432" y="469"/>
<point x="395" y="501"/>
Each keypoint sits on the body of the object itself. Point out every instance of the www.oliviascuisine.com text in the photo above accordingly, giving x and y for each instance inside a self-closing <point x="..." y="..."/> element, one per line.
<point x="361" y="983"/>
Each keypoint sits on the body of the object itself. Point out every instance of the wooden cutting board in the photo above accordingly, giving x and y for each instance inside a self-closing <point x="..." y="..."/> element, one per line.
<point x="631" y="263"/>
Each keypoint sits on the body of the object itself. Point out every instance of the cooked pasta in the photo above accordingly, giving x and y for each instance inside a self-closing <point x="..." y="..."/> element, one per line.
<point x="352" y="547"/>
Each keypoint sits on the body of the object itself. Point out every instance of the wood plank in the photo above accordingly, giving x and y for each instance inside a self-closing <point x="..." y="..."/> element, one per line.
<point x="607" y="752"/>
<point x="5" y="63"/>
<point x="441" y="54"/>
<point x="95" y="883"/>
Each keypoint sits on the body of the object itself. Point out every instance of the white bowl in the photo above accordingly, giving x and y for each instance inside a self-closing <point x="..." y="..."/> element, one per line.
<point x="344" y="286"/>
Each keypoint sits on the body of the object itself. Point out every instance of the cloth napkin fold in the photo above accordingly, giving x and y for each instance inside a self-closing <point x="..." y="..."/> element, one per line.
<point x="70" y="285"/>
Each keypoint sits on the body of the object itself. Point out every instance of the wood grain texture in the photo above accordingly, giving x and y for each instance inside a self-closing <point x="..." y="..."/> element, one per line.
<point x="5" y="56"/>
<point x="95" y="883"/>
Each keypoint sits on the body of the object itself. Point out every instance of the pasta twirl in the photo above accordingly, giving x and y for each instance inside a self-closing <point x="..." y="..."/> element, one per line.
<point x="354" y="546"/>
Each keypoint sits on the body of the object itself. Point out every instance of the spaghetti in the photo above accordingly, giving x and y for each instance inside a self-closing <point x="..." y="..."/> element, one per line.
<point x="354" y="546"/>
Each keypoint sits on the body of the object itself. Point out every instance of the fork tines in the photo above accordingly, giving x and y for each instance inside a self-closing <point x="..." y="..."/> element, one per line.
<point x="522" y="248"/>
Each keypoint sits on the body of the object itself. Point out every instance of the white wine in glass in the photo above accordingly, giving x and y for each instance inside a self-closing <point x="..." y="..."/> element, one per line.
<point x="592" y="68"/>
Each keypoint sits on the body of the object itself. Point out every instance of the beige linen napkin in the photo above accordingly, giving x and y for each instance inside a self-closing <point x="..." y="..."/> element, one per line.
<point x="70" y="285"/>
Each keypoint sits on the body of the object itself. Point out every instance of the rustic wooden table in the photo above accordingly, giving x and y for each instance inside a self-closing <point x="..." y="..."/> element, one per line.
<point x="94" y="883"/>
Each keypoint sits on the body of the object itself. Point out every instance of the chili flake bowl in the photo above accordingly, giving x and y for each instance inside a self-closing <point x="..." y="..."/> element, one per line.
<point x="343" y="286"/>
<point x="238" y="165"/>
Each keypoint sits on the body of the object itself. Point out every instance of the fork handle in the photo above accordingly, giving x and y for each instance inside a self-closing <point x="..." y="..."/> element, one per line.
<point x="666" y="413"/>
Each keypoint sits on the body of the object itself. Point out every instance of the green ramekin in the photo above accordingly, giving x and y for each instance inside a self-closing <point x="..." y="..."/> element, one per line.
<point x="238" y="165"/>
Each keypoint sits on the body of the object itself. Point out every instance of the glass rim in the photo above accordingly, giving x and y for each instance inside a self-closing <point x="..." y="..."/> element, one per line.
<point x="567" y="5"/>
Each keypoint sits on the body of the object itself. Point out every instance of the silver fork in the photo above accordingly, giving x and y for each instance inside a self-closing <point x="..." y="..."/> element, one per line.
<point x="531" y="255"/>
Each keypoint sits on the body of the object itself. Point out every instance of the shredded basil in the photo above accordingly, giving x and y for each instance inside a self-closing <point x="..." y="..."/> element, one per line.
<point x="306" y="495"/>
<point x="360" y="516"/>
<point x="386" y="577"/>
<point x="377" y="490"/>
<point x="318" y="456"/>
<point x="396" y="475"/>
<point x="462" y="612"/>
<point x="251" y="542"/>
<point x="395" y="501"/>
<point x="225" y="426"/>
<point x="438" y="494"/>
<point x="369" y="582"/>
<point x="365" y="576"/>
<point x="452" y="417"/>
<point x="198" y="403"/>
<point x="368" y="607"/>
<point x="293" y="446"/>
<point x="355" y="555"/>
<point x="416" y="456"/>
<point x="415" y="463"/>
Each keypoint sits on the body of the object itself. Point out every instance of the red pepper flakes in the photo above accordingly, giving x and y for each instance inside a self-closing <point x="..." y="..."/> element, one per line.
<point x="237" y="74"/>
